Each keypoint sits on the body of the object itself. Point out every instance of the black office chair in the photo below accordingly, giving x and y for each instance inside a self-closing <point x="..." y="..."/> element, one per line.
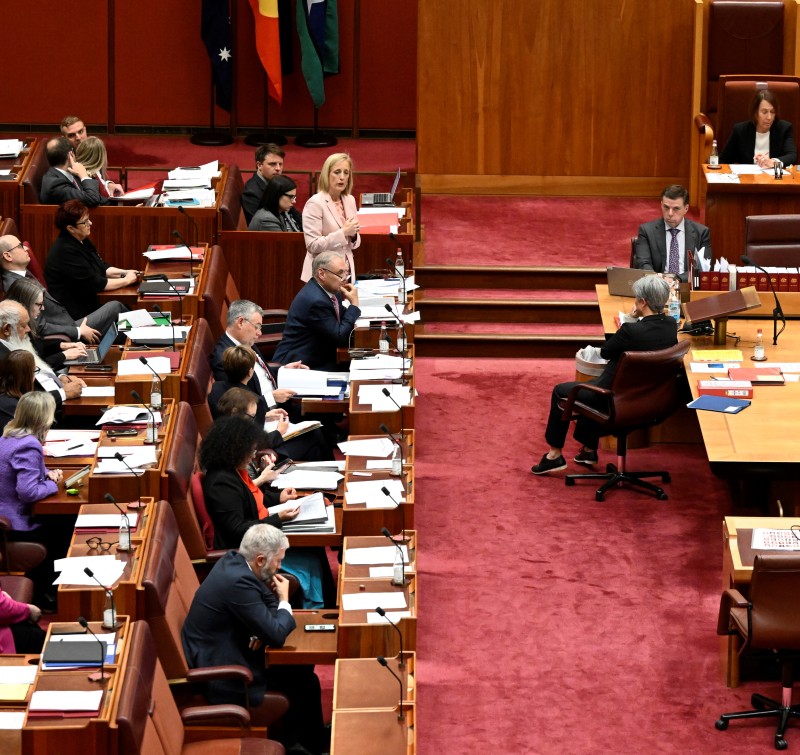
<point x="769" y="620"/>
<point x="644" y="392"/>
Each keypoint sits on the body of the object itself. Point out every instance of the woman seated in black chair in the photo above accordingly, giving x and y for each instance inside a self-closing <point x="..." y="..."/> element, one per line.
<point x="765" y="139"/>
<point x="235" y="502"/>
<point x="17" y="372"/>
<point x="276" y="211"/>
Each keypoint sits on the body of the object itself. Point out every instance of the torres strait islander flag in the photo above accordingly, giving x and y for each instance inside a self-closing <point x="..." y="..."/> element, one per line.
<point x="268" y="43"/>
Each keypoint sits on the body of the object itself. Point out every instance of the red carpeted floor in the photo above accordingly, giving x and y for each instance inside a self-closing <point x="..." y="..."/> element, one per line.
<point x="550" y="623"/>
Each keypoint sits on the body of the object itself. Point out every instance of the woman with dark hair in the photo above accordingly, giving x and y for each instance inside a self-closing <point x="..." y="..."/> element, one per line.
<point x="30" y="294"/>
<point x="276" y="211"/>
<point x="765" y="139"/>
<point x="17" y="372"/>
<point x="74" y="270"/>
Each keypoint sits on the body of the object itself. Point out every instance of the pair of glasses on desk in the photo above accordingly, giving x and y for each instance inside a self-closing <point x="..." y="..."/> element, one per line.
<point x="98" y="544"/>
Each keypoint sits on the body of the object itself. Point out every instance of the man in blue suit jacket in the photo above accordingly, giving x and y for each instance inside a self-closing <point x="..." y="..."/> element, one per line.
<point x="238" y="610"/>
<point x="318" y="323"/>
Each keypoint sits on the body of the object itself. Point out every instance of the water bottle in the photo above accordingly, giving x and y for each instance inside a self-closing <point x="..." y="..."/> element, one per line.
<point x="713" y="158"/>
<point x="400" y="339"/>
<point x="383" y="339"/>
<point x="397" y="461"/>
<point x="758" y="349"/>
<point x="674" y="307"/>
<point x="124" y="543"/>
<point x="399" y="265"/>
<point x="155" y="393"/>
<point x="109" y="612"/>
<point x="398" y="570"/>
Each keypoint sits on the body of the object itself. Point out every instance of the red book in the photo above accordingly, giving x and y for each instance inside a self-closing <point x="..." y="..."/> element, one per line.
<point x="726" y="388"/>
<point x="705" y="281"/>
<point x="758" y="375"/>
<point x="724" y="281"/>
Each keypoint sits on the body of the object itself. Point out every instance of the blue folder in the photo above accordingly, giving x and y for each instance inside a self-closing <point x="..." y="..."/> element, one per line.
<point x="720" y="404"/>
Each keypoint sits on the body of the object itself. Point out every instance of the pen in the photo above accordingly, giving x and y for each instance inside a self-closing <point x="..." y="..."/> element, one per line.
<point x="72" y="448"/>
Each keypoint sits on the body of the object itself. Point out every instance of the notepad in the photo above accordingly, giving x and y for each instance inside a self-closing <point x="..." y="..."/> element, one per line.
<point x="719" y="404"/>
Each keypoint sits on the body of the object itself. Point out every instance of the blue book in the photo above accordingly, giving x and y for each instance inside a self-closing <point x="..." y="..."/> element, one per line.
<point x="720" y="404"/>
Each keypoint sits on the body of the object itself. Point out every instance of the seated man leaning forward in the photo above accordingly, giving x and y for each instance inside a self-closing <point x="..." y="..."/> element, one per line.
<point x="662" y="244"/>
<point x="318" y="323"/>
<point x="653" y="332"/>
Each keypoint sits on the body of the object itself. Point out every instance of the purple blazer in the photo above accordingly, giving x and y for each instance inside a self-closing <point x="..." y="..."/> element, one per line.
<point x="23" y="480"/>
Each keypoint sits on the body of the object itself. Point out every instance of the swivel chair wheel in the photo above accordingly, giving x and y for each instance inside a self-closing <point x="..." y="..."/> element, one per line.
<point x="721" y="724"/>
<point x="569" y="482"/>
<point x="662" y="496"/>
<point x="780" y="743"/>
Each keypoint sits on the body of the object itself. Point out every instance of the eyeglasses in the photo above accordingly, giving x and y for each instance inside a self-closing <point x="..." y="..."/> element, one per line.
<point x="343" y="275"/>
<point x="18" y="246"/>
<point x="97" y="544"/>
<point x="293" y="197"/>
<point x="256" y="325"/>
<point x="84" y="222"/>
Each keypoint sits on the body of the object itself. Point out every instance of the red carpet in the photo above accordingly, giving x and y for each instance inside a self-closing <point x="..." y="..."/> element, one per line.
<point x="550" y="623"/>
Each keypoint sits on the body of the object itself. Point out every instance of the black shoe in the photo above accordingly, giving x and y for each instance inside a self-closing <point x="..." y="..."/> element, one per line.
<point x="549" y="465"/>
<point x="587" y="457"/>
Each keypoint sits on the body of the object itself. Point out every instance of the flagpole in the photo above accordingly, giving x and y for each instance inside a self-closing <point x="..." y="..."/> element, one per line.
<point x="213" y="137"/>
<point x="316" y="138"/>
<point x="266" y="136"/>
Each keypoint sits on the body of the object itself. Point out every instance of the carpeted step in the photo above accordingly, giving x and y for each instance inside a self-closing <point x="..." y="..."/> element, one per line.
<point x="505" y="293"/>
<point x="502" y="345"/>
<point x="508" y="310"/>
<point x="509" y="277"/>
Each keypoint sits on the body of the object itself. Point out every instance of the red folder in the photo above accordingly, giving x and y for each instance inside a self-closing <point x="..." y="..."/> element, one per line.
<point x="758" y="375"/>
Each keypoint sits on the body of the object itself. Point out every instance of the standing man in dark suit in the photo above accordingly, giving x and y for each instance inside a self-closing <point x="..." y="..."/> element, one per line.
<point x="241" y="608"/>
<point x="269" y="163"/>
<point x="66" y="178"/>
<point x="654" y="331"/>
<point x="318" y="323"/>
<point x="662" y="244"/>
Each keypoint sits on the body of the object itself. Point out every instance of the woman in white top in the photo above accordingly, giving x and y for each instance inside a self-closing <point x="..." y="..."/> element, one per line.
<point x="330" y="222"/>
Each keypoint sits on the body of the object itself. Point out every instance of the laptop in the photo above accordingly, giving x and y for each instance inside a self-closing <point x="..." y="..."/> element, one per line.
<point x="381" y="199"/>
<point x="621" y="279"/>
<point x="96" y="354"/>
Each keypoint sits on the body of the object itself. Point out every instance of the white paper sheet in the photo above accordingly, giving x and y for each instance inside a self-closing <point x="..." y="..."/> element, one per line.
<point x="379" y="554"/>
<point x="97" y="391"/>
<point x="304" y="479"/>
<point x="11" y="720"/>
<point x="369" y="601"/>
<point x="68" y="700"/>
<point x="101" y="522"/>
<point x="363" y="491"/>
<point x="379" y="448"/>
<point x="137" y="318"/>
<point x="25" y="674"/>
<point x="395" y="616"/>
<point x="135" y="367"/>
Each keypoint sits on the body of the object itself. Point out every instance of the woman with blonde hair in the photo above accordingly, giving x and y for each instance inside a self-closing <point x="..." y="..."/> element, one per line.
<point x="91" y="153"/>
<point x="330" y="219"/>
<point x="25" y="480"/>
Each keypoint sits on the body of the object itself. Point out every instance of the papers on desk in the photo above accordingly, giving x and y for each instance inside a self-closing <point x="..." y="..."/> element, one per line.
<point x="158" y="334"/>
<point x="207" y="169"/>
<point x="136" y="457"/>
<point x="311" y="382"/>
<point x="375" y="302"/>
<point x="373" y="394"/>
<point x="198" y="197"/>
<point x="87" y="701"/>
<point x="97" y="391"/>
<point x="383" y="375"/>
<point x="135" y="367"/>
<point x="55" y="436"/>
<point x="81" y="447"/>
<point x="127" y="415"/>
<point x="380" y="362"/>
<point x="180" y="184"/>
<point x="722" y="178"/>
<point x="10" y="147"/>
<point x="381" y="554"/>
<point x="746" y="169"/>
<point x="162" y="254"/>
<point x="305" y="479"/>
<point x="295" y="429"/>
<point x="378" y="464"/>
<point x="713" y="366"/>
<point x="774" y="540"/>
<point x="369" y="601"/>
<point x="312" y="509"/>
<point x="723" y="355"/>
<point x="25" y="674"/>
<point x="377" y="448"/>
<point x="103" y="521"/>
<point x="11" y="720"/>
<point x="107" y="569"/>
<point x="143" y="192"/>
<point x="136" y="318"/>
<point x="370" y="493"/>
<point x="394" y="616"/>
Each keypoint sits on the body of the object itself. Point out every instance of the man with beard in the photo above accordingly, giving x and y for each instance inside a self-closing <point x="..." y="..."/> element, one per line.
<point x="14" y="330"/>
<point x="238" y="610"/>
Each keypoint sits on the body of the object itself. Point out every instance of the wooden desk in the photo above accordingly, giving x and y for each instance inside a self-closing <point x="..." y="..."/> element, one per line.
<point x="359" y="639"/>
<point x="78" y="736"/>
<point x="728" y="204"/>
<point x="361" y="683"/>
<point x="361" y="571"/>
<point x="364" y="420"/>
<point x="357" y="519"/>
<point x="374" y="732"/>
<point x="359" y="463"/>
<point x="303" y="647"/>
<point x="10" y="189"/>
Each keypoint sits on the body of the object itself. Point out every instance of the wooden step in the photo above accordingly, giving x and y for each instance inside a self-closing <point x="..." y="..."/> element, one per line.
<point x="499" y="277"/>
<point x="508" y="310"/>
<point x="500" y="346"/>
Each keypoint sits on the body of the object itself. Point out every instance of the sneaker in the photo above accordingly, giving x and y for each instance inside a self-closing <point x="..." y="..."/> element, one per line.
<point x="549" y="465"/>
<point x="587" y="456"/>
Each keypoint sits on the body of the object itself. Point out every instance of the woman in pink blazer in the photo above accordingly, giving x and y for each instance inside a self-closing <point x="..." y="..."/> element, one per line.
<point x="13" y="613"/>
<point x="330" y="223"/>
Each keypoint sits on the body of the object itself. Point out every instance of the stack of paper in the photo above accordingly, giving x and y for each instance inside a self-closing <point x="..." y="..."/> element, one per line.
<point x="374" y="395"/>
<point x="381" y="554"/>
<point x="379" y="448"/>
<point x="314" y="515"/>
<point x="308" y="479"/>
<point x="369" y="601"/>
<point x="136" y="457"/>
<point x="311" y="382"/>
<point x="128" y="415"/>
<point x="370" y="492"/>
<point x="161" y="365"/>
<point x="10" y="147"/>
<point x="75" y="701"/>
<point x="158" y="334"/>
<point x="107" y="569"/>
<point x="168" y="253"/>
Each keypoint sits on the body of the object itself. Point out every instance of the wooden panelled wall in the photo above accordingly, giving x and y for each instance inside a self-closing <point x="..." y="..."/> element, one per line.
<point x="554" y="96"/>
<point x="160" y="73"/>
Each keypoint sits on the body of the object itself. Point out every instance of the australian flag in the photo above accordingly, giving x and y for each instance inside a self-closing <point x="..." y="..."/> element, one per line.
<point x="215" y="30"/>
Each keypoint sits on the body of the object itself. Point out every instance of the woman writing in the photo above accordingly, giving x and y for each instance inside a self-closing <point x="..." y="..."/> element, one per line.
<point x="276" y="211"/>
<point x="74" y="270"/>
<point x="24" y="480"/>
<point x="330" y="220"/>
<point x="765" y="139"/>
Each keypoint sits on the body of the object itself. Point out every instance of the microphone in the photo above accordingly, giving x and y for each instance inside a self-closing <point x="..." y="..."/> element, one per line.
<point x="391" y="435"/>
<point x="397" y="505"/>
<point x="121" y="546"/>
<point x="150" y="437"/>
<point x="386" y="392"/>
<point x="777" y="312"/>
<point x="101" y="676"/>
<point x="385" y="532"/>
<point x="138" y="504"/>
<point x="158" y="309"/>
<point x="109" y="614"/>
<point x="147" y="364"/>
<point x="382" y="613"/>
<point x="177" y="234"/>
<point x="385" y="664"/>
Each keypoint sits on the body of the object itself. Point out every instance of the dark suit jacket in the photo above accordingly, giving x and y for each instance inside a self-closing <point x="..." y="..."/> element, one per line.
<point x="75" y="274"/>
<point x="232" y="507"/>
<point x="651" y="245"/>
<point x="55" y="320"/>
<point x="312" y="332"/>
<point x="741" y="145"/>
<point x="8" y="405"/>
<point x="57" y="189"/>
<point x="231" y="606"/>
<point x="651" y="333"/>
<point x="252" y="194"/>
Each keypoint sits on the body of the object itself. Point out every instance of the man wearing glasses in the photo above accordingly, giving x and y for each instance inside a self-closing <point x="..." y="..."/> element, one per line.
<point x="318" y="322"/>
